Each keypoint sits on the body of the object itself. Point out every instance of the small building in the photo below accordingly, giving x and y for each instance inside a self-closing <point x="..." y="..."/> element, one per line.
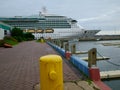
<point x="4" y="30"/>
<point x="109" y="32"/>
<point x="108" y="35"/>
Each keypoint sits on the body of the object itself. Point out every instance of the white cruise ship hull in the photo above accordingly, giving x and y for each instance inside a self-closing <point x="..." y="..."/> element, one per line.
<point x="60" y="34"/>
<point x="66" y="34"/>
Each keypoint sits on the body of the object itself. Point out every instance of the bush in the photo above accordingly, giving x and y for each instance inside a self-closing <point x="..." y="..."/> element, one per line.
<point x="17" y="32"/>
<point x="18" y="38"/>
<point x="1" y="43"/>
<point x="28" y="36"/>
<point x="10" y="40"/>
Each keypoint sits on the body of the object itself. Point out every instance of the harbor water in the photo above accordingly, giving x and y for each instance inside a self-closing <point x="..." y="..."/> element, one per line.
<point x="104" y="48"/>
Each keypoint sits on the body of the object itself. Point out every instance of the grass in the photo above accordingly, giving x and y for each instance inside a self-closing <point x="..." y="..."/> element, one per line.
<point x="8" y="40"/>
<point x="89" y="81"/>
<point x="11" y="42"/>
<point x="1" y="43"/>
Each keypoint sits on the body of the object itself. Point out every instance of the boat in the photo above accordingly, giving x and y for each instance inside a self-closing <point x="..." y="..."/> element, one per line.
<point x="48" y="26"/>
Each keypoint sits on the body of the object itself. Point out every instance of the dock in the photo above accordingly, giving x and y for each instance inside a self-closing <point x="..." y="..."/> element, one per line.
<point x="98" y="58"/>
<point x="110" y="74"/>
<point x="80" y="52"/>
<point x="20" y="70"/>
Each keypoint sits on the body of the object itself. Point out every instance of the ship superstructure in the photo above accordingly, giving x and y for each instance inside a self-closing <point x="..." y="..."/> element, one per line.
<point x="46" y="25"/>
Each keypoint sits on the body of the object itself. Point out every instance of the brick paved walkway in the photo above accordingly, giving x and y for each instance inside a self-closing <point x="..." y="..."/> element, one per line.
<point x="19" y="67"/>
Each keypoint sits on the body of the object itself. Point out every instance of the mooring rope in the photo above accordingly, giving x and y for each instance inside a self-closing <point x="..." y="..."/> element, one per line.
<point x="108" y="60"/>
<point x="100" y="54"/>
<point x="113" y="63"/>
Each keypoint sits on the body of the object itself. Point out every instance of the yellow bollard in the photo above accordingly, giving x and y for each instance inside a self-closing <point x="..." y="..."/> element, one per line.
<point x="51" y="74"/>
<point x="42" y="40"/>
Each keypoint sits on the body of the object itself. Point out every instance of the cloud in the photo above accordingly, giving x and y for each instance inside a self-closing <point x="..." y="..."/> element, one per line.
<point x="105" y="16"/>
<point x="93" y="18"/>
<point x="106" y="21"/>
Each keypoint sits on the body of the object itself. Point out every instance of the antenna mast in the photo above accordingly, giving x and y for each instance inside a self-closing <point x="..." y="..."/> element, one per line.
<point x="44" y="10"/>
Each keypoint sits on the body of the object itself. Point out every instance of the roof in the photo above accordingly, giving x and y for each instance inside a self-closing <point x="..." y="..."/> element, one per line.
<point x="109" y="32"/>
<point x="5" y="26"/>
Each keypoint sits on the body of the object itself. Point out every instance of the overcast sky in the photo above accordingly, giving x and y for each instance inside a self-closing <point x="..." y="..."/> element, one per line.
<point x="91" y="14"/>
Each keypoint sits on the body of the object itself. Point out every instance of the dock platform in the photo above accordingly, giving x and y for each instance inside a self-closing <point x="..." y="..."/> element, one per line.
<point x="98" y="58"/>
<point x="110" y="74"/>
<point x="19" y="67"/>
<point x="81" y="52"/>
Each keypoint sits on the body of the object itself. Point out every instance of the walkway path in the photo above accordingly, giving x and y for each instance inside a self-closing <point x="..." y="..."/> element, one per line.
<point x="19" y="67"/>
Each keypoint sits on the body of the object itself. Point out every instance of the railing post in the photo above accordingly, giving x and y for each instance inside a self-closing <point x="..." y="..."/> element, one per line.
<point x="66" y="47"/>
<point x="73" y="48"/>
<point x="67" y="52"/>
<point x="51" y="73"/>
<point x="92" y="57"/>
<point x="93" y="69"/>
<point x="59" y="44"/>
<point x="62" y="43"/>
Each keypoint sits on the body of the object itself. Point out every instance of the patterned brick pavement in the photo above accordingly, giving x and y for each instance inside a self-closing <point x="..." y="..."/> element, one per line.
<point x="19" y="67"/>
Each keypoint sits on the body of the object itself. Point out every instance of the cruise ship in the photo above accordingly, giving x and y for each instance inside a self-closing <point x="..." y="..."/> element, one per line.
<point x="48" y="26"/>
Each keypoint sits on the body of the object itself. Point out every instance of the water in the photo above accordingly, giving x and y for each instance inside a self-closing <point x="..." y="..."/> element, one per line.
<point x="113" y="52"/>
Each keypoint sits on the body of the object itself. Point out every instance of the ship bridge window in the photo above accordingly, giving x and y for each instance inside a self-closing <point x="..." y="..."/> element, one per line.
<point x="74" y="21"/>
<point x="85" y="32"/>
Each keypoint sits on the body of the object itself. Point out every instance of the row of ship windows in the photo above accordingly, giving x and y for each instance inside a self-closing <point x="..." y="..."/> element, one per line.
<point x="45" y="27"/>
<point x="53" y="22"/>
<point x="42" y="21"/>
<point x="41" y="25"/>
<point x="33" y="19"/>
<point x="87" y="32"/>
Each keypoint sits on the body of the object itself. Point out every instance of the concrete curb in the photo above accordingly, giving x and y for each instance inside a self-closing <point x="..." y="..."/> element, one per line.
<point x="78" y="85"/>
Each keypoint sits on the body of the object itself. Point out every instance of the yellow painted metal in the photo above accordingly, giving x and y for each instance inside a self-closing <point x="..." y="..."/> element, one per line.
<point x="51" y="72"/>
<point x="42" y="40"/>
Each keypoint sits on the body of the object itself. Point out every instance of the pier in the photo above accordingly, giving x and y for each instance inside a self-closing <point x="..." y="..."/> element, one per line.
<point x="19" y="68"/>
<point x="98" y="58"/>
<point x="81" y="52"/>
<point x="74" y="51"/>
<point x="110" y="74"/>
<point x="89" y="68"/>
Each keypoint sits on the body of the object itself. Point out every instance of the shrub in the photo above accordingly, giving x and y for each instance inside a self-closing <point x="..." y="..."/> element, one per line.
<point x="28" y="36"/>
<point x="1" y="43"/>
<point x="17" y="33"/>
<point x="18" y="38"/>
<point x="10" y="40"/>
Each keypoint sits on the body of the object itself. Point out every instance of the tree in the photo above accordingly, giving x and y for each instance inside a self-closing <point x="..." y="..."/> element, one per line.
<point x="17" y="32"/>
<point x="28" y="36"/>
